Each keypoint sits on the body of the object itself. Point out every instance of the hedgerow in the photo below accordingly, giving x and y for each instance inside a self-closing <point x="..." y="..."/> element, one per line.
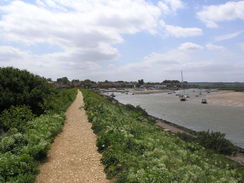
<point x="22" y="147"/>
<point x="134" y="150"/>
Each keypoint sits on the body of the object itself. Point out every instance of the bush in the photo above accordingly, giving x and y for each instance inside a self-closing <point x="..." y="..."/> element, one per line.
<point x="15" y="117"/>
<point x="17" y="168"/>
<point x="12" y="143"/>
<point x="217" y="142"/>
<point x="19" y="87"/>
<point x="61" y="101"/>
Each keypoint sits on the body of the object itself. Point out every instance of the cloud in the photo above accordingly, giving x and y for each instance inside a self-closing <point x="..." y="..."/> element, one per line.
<point x="91" y="28"/>
<point x="227" y="36"/>
<point x="190" y="46"/>
<point x="170" y="6"/>
<point x="214" y="47"/>
<point x="84" y="32"/>
<point x="8" y="53"/>
<point x="181" y="32"/>
<point x="232" y="10"/>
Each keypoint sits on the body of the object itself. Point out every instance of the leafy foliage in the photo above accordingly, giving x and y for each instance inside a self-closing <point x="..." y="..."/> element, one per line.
<point x="63" y="80"/>
<point x="19" y="87"/>
<point x="59" y="102"/>
<point x="136" y="151"/>
<point x="15" y="117"/>
<point x="216" y="141"/>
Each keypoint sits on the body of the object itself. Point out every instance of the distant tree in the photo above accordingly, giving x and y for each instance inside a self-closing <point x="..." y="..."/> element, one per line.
<point x="75" y="80"/>
<point x="141" y="82"/>
<point x="171" y="81"/>
<point x="63" y="80"/>
<point x="89" y="84"/>
<point x="19" y="87"/>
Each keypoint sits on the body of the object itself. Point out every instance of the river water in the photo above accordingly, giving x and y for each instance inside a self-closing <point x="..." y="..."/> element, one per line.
<point x="192" y="114"/>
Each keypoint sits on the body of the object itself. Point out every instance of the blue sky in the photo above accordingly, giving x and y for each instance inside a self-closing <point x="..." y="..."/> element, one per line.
<point x="124" y="39"/>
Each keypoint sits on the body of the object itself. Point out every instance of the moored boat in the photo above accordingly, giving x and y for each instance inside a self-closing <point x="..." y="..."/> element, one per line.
<point x="204" y="101"/>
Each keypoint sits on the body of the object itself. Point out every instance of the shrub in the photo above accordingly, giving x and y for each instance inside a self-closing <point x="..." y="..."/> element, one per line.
<point x="12" y="143"/>
<point x="19" y="87"/>
<point x="217" y="142"/>
<point x="17" y="168"/>
<point x="60" y="101"/>
<point x="15" y="117"/>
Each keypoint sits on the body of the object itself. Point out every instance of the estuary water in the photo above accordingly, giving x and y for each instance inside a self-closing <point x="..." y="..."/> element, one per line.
<point x="192" y="114"/>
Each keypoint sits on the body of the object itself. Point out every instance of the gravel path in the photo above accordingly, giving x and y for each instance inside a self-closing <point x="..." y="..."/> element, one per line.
<point x="73" y="156"/>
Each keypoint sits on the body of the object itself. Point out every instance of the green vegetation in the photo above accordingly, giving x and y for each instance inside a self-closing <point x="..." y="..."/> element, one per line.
<point x="32" y="114"/>
<point x="15" y="117"/>
<point x="136" y="151"/>
<point x="63" y="80"/>
<point x="19" y="87"/>
<point x="215" y="141"/>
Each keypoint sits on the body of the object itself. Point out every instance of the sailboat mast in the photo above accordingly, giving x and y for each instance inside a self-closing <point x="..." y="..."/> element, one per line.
<point x="182" y="85"/>
<point x="182" y="77"/>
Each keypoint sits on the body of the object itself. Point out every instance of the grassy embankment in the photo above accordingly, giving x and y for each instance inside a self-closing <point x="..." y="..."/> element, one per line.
<point x="136" y="151"/>
<point x="23" y="146"/>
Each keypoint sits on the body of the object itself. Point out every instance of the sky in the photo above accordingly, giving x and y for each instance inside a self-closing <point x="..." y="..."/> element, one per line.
<point x="128" y="40"/>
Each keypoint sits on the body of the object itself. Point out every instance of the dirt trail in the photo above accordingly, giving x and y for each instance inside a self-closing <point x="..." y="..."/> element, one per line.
<point x="73" y="156"/>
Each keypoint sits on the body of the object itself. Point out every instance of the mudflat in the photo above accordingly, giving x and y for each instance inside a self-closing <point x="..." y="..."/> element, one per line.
<point x="227" y="98"/>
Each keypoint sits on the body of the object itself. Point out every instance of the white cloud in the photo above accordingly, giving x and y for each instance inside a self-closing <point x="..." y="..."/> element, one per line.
<point x="232" y="10"/>
<point x="8" y="53"/>
<point x="175" y="4"/>
<point x="190" y="46"/>
<point x="179" y="32"/>
<point x="91" y="27"/>
<point x="170" y="6"/>
<point x="85" y="31"/>
<point x="227" y="36"/>
<point x="214" y="47"/>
